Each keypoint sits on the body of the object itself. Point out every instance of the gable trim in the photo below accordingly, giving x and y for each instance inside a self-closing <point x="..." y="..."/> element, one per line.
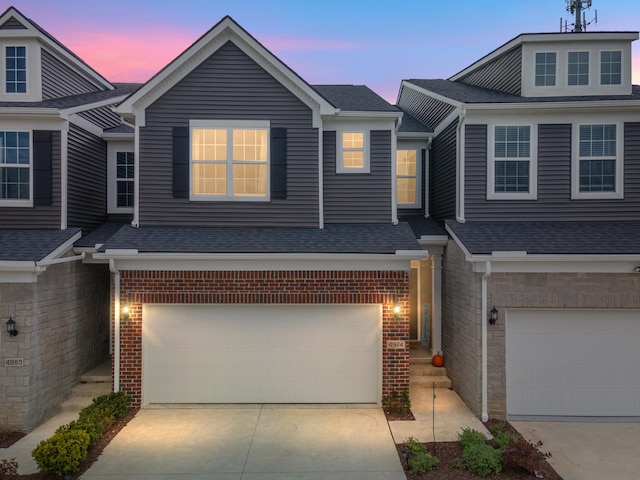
<point x="226" y="30"/>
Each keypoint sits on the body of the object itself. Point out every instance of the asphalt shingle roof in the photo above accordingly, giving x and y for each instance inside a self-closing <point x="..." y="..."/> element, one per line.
<point x="550" y="238"/>
<point x="342" y="238"/>
<point x="354" y="98"/>
<point x="31" y="245"/>
<point x="462" y="92"/>
<point x="411" y="124"/>
<point x="77" y="100"/>
<point x="422" y="226"/>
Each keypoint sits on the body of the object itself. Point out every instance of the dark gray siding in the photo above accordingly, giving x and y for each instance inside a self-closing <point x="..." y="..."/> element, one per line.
<point x="42" y="216"/>
<point x="228" y="86"/>
<point x="12" y="24"/>
<point x="358" y="198"/>
<point x="503" y="74"/>
<point x="102" y="117"/>
<point x="554" y="181"/>
<point x="87" y="179"/>
<point x="58" y="80"/>
<point x="426" y="109"/>
<point x="442" y="176"/>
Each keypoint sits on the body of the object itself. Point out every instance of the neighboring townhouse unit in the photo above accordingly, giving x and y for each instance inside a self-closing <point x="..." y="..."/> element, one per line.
<point x="54" y="110"/>
<point x="535" y="168"/>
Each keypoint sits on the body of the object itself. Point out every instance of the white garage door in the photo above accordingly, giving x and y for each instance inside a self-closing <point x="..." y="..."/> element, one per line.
<point x="582" y="363"/>
<point x="262" y="353"/>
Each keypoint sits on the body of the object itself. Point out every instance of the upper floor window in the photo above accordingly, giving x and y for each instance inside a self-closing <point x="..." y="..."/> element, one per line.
<point x="229" y="162"/>
<point x="15" y="167"/>
<point x="511" y="170"/>
<point x="611" y="68"/>
<point x="353" y="155"/>
<point x="597" y="170"/>
<point x="125" y="174"/>
<point x="578" y="68"/>
<point x="545" y="69"/>
<point x="407" y="178"/>
<point x="16" y="69"/>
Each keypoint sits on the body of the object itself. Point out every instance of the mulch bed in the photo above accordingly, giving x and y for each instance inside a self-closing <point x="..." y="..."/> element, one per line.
<point x="93" y="455"/>
<point x="393" y="416"/>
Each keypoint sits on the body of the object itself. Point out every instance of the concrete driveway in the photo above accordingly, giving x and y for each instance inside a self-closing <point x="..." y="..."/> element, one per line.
<point x="252" y="443"/>
<point x="588" y="451"/>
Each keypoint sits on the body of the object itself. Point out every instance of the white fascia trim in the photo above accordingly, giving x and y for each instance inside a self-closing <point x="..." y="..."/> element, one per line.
<point x="415" y="135"/>
<point x="62" y="248"/>
<point x="437" y="96"/>
<point x="374" y="115"/>
<point x="29" y="112"/>
<point x="118" y="136"/>
<point x="19" y="272"/>
<point x="208" y="44"/>
<point x="589" y="105"/>
<point x="90" y="106"/>
<point x="85" y="125"/>
<point x="433" y="240"/>
<point x="129" y="260"/>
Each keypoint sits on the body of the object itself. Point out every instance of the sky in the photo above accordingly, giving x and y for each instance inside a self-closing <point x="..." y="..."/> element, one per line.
<point x="377" y="43"/>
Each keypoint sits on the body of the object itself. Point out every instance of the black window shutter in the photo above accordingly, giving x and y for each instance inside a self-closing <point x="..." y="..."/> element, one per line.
<point x="278" y="163"/>
<point x="180" y="162"/>
<point x="42" y="167"/>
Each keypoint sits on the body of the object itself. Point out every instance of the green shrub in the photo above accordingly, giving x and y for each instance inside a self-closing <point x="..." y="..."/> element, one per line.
<point x="501" y="436"/>
<point x="62" y="453"/>
<point x="481" y="459"/>
<point x="397" y="402"/>
<point x="116" y="403"/>
<point x="470" y="437"/>
<point x="524" y="454"/>
<point x="418" y="457"/>
<point x="8" y="469"/>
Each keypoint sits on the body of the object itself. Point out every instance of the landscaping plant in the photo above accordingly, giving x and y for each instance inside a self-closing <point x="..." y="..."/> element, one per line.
<point x="397" y="403"/>
<point x="62" y="453"/>
<point x="418" y="457"/>
<point x="8" y="469"/>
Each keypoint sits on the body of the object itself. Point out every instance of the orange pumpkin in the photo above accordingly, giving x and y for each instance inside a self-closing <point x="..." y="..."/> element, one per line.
<point x="437" y="361"/>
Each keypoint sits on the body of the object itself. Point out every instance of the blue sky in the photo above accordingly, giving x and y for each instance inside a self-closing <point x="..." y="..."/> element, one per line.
<point x="375" y="42"/>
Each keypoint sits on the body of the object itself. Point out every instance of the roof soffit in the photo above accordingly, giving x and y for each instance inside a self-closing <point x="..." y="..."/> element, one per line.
<point x="226" y="30"/>
<point x="34" y="31"/>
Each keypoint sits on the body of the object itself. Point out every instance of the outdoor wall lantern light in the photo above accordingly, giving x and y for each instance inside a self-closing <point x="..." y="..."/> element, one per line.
<point x="125" y="312"/>
<point x="11" y="327"/>
<point x="493" y="315"/>
<point x="396" y="308"/>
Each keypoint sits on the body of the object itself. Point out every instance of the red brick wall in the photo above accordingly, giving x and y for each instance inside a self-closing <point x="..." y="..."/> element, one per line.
<point x="256" y="287"/>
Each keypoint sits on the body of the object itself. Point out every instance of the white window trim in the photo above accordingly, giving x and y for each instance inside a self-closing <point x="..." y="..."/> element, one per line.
<point x="418" y="149"/>
<point x="34" y="65"/>
<point x="576" y="194"/>
<point x="610" y="85"/>
<point x="230" y="125"/>
<point x="589" y="67"/>
<point x="27" y="202"/>
<point x="112" y="178"/>
<point x="535" y="66"/>
<point x="532" y="194"/>
<point x="366" y="168"/>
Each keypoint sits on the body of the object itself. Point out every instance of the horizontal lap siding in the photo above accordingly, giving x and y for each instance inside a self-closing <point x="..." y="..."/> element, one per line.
<point x="358" y="198"/>
<point x="104" y="117"/>
<point x="87" y="179"/>
<point x="442" y="176"/>
<point x="426" y="109"/>
<point x="58" y="80"/>
<point x="554" y="181"/>
<point x="228" y="86"/>
<point x="41" y="216"/>
<point x="503" y="74"/>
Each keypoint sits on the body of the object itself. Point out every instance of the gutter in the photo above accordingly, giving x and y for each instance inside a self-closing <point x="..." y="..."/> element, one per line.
<point x="116" y="326"/>
<point x="484" y="307"/>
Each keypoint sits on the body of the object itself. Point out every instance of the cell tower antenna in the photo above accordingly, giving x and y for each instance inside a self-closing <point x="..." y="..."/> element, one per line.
<point x="577" y="8"/>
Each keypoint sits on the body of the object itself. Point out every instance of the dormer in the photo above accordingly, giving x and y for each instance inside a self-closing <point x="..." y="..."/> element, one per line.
<point x="557" y="65"/>
<point x="36" y="67"/>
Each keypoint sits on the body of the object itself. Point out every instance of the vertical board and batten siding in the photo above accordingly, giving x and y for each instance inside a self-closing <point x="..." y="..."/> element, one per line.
<point x="12" y="24"/>
<point x="87" y="179"/>
<point x="426" y="109"/>
<point x="39" y="216"/>
<point x="442" y="174"/>
<point x="59" y="80"/>
<point x="503" y="74"/>
<point x="355" y="197"/>
<point x="228" y="85"/>
<point x="103" y="117"/>
<point x="554" y="181"/>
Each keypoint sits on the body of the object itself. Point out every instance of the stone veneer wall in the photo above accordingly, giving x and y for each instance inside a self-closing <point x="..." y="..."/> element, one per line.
<point x="462" y="317"/>
<point x="461" y="326"/>
<point x="63" y="325"/>
<point x="265" y="287"/>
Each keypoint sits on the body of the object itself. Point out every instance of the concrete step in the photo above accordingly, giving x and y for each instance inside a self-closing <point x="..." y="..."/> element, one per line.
<point x="100" y="374"/>
<point x="417" y="369"/>
<point x="83" y="394"/>
<point x="428" y="381"/>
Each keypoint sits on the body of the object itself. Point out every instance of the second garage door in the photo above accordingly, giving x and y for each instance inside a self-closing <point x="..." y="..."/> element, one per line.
<point x="573" y="363"/>
<point x="262" y="353"/>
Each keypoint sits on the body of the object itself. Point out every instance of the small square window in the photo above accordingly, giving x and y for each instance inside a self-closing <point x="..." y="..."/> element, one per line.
<point x="545" y="69"/>
<point x="611" y="68"/>
<point x="352" y="152"/>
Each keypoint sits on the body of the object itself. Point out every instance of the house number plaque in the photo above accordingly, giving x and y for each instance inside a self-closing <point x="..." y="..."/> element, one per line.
<point x="14" y="362"/>
<point x="395" y="344"/>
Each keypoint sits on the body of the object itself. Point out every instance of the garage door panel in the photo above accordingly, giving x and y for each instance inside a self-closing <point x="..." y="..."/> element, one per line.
<point x="573" y="363"/>
<point x="262" y="354"/>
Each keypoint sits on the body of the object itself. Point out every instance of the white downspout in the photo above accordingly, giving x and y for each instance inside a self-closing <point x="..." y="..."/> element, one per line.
<point x="485" y="306"/>
<point x="461" y="163"/>
<point x="394" y="181"/>
<point x="136" y="181"/>
<point x="320" y="179"/>
<point x="116" y="320"/>
<point x="64" y="177"/>
<point x="427" y="161"/>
